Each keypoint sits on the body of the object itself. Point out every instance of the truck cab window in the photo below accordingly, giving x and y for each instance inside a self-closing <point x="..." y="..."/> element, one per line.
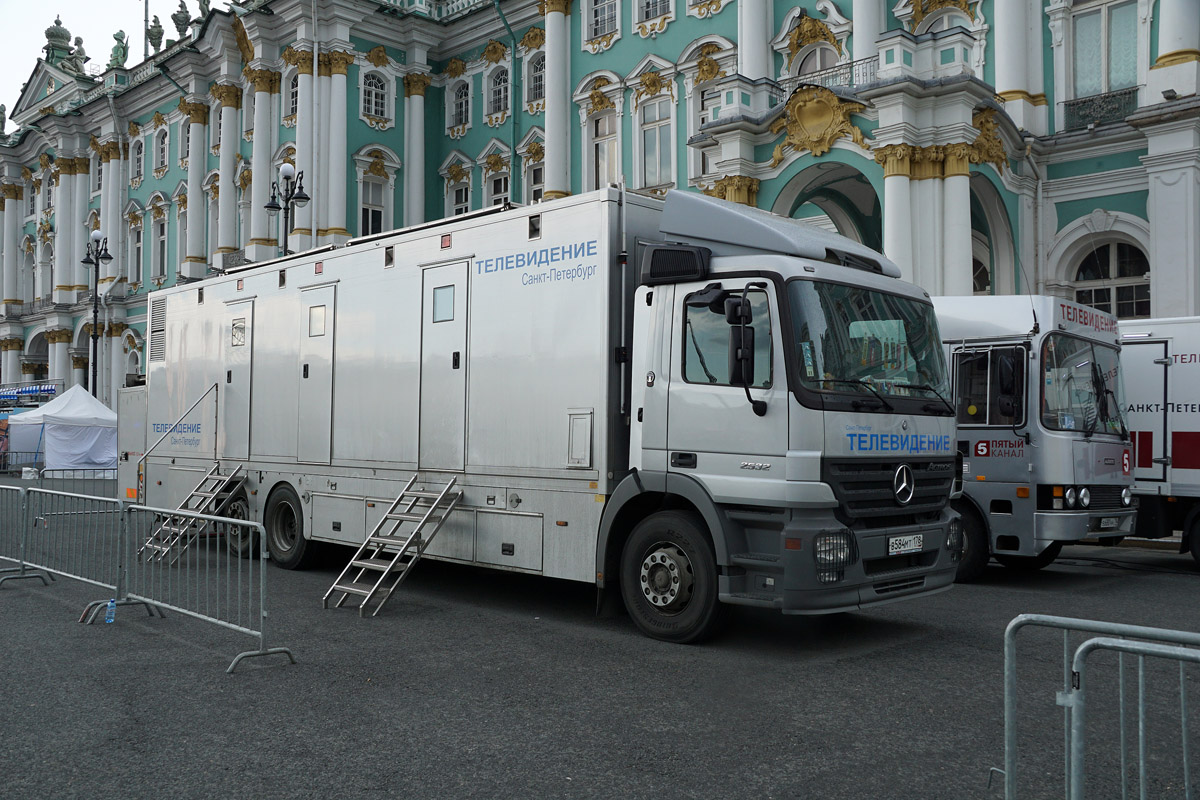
<point x="706" y="343"/>
<point x="990" y="386"/>
<point x="971" y="388"/>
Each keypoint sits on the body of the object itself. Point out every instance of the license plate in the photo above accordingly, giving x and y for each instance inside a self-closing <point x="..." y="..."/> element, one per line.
<point x="1109" y="522"/>
<point x="899" y="545"/>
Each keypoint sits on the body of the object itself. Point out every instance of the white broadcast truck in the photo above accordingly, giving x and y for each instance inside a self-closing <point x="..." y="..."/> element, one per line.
<point x="744" y="409"/>
<point x="1161" y="358"/>
<point x="1038" y="394"/>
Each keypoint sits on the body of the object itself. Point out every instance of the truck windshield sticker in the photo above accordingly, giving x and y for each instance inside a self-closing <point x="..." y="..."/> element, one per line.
<point x="898" y="443"/>
<point x="537" y="266"/>
<point x="806" y="348"/>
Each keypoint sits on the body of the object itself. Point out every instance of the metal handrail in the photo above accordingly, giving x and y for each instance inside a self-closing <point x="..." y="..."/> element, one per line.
<point x="141" y="461"/>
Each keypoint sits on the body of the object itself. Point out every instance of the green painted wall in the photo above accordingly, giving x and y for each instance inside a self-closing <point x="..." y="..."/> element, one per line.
<point x="1130" y="203"/>
<point x="1090" y="166"/>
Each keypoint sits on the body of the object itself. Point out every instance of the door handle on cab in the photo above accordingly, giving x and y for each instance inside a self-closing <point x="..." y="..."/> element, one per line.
<point x="683" y="459"/>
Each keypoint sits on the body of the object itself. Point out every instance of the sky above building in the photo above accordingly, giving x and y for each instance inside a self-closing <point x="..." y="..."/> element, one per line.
<point x="25" y="24"/>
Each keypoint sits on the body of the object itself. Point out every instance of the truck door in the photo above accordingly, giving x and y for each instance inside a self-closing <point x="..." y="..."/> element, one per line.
<point x="713" y="433"/>
<point x="443" y="367"/>
<point x="315" y="405"/>
<point x="234" y="389"/>
<point x="1147" y="380"/>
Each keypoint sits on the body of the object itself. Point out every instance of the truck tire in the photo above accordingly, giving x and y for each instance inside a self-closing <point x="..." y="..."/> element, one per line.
<point x="976" y="547"/>
<point x="1194" y="541"/>
<point x="669" y="578"/>
<point x="1031" y="563"/>
<point x="284" y="522"/>
<point x="242" y="542"/>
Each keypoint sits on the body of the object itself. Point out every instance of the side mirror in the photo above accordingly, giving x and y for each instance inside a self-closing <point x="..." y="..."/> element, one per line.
<point x="1007" y="405"/>
<point x="737" y="311"/>
<point x="741" y="355"/>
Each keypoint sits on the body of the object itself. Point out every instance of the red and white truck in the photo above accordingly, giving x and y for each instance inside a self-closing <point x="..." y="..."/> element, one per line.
<point x="1161" y="359"/>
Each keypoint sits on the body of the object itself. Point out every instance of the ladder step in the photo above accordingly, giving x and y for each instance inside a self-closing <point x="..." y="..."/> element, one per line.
<point x="430" y="495"/>
<point x="405" y="517"/>
<point x="395" y="541"/>
<point x="377" y="564"/>
<point x="350" y="588"/>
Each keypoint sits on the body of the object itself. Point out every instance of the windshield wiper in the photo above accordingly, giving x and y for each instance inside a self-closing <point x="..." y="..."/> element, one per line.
<point x="699" y="354"/>
<point x="861" y="382"/>
<point x="926" y="387"/>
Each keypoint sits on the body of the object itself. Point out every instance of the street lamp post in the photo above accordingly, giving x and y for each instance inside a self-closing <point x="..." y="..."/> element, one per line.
<point x="293" y="193"/>
<point x="97" y="252"/>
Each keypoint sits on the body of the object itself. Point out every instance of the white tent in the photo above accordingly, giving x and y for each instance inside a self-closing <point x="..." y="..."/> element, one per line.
<point x="74" y="431"/>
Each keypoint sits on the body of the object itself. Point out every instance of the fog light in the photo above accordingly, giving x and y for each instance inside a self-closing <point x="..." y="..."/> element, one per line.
<point x="1085" y="497"/>
<point x="1126" y="496"/>
<point x="1070" y="497"/>
<point x="954" y="540"/>
<point x="833" y="552"/>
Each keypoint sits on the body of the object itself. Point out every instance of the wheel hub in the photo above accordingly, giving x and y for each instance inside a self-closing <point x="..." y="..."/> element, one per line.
<point x="666" y="577"/>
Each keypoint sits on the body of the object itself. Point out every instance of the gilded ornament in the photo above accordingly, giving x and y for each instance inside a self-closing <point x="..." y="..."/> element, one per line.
<point x="895" y="158"/>
<point x="652" y="85"/>
<point x="455" y="67"/>
<point x="706" y="8"/>
<point x="26" y="173"/>
<point x="923" y="8"/>
<point x="649" y="30"/>
<point x="302" y="60"/>
<point x="96" y="223"/>
<point x="135" y="129"/>
<point x="495" y="52"/>
<point x="534" y="38"/>
<point x="378" y="123"/>
<point x="707" y="68"/>
<point x="264" y="80"/>
<point x="598" y="100"/>
<point x="197" y="112"/>
<point x="158" y="120"/>
<point x="809" y="30"/>
<point x="243" y="40"/>
<point x="339" y="63"/>
<point x="736" y="189"/>
<point x="456" y="173"/>
<point x="244" y="179"/>
<point x="415" y="84"/>
<point x="988" y="148"/>
<point x="554" y="6"/>
<point x="181" y="203"/>
<point x="600" y="43"/>
<point x="214" y="189"/>
<point x="535" y="152"/>
<point x="378" y="56"/>
<point x="814" y="119"/>
<point x="133" y="218"/>
<point x="44" y="161"/>
<point x="158" y="211"/>
<point x="376" y="166"/>
<point x="494" y="163"/>
<point x="94" y="143"/>
<point x="228" y="95"/>
<point x="45" y="110"/>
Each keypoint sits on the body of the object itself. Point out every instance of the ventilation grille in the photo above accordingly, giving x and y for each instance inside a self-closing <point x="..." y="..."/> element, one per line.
<point x="666" y="264"/>
<point x="158" y="330"/>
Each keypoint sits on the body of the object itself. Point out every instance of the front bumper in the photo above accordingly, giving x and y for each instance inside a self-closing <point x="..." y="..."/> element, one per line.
<point x="1071" y="526"/>
<point x="791" y="581"/>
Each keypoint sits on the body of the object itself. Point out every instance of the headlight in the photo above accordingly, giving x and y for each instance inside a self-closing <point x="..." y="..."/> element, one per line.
<point x="1085" y="497"/>
<point x="1126" y="496"/>
<point x="1070" y="498"/>
<point x="833" y="553"/>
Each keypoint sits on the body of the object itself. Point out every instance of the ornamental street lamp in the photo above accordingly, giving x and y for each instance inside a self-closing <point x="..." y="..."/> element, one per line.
<point x="97" y="252"/>
<point x="293" y="193"/>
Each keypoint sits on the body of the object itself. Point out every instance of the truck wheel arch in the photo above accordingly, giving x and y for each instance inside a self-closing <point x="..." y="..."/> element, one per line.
<point x="640" y="494"/>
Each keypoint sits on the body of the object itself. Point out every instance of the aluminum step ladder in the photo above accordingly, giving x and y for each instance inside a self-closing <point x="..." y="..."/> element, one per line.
<point x="172" y="535"/>
<point x="387" y="557"/>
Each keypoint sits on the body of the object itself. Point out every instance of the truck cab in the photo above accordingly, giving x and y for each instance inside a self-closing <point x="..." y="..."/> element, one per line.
<point x="794" y="390"/>
<point x="1038" y="394"/>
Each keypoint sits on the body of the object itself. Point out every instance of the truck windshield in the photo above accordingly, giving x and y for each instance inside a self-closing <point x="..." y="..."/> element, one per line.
<point x="851" y="340"/>
<point x="1082" y="389"/>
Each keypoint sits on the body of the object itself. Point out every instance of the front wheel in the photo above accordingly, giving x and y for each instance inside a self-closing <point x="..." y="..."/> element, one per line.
<point x="975" y="548"/>
<point x="1031" y="563"/>
<point x="284" y="521"/>
<point x="669" y="578"/>
<point x="1194" y="540"/>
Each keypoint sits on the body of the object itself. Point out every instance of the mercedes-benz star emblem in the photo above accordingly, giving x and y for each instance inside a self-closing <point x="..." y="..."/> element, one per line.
<point x="903" y="485"/>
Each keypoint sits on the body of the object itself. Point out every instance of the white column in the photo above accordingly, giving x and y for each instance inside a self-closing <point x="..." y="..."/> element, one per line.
<point x="83" y="190"/>
<point x="10" y="370"/>
<point x="867" y="16"/>
<point x="320" y="203"/>
<point x="754" y="54"/>
<point x="196" y="260"/>
<point x="79" y="371"/>
<point x="897" y="206"/>
<point x="957" y="278"/>
<point x="13" y="200"/>
<point x="414" y="147"/>
<point x="1177" y="66"/>
<point x="558" y="99"/>
<point x="338" y="156"/>
<point x="230" y="97"/>
<point x="116" y="334"/>
<point x="1013" y="53"/>
<point x="110" y="199"/>
<point x="262" y="244"/>
<point x="1173" y="209"/>
<point x="64" y="233"/>
<point x="60" y="361"/>
<point x="305" y="161"/>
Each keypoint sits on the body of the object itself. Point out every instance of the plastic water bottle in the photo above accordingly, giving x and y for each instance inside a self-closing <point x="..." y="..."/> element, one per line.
<point x="111" y="611"/>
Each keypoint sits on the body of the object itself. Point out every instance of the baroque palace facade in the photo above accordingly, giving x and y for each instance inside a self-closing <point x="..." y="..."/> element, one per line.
<point x="987" y="146"/>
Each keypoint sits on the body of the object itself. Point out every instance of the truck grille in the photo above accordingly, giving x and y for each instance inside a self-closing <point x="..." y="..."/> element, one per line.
<point x="864" y="488"/>
<point x="1106" y="498"/>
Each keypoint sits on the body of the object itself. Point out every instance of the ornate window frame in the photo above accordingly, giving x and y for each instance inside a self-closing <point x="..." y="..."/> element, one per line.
<point x="495" y="163"/>
<point x="457" y="126"/>
<point x="596" y="42"/>
<point x="135" y="216"/>
<point x="379" y="164"/>
<point x="702" y="64"/>
<point x="179" y="199"/>
<point x="798" y="37"/>
<point x="495" y="115"/>
<point x="649" y="18"/>
<point x="157" y="207"/>
<point x="386" y="93"/>
<point x="137" y="157"/>
<point x="600" y="93"/>
<point x="456" y="171"/>
<point x="532" y="152"/>
<point x="650" y="81"/>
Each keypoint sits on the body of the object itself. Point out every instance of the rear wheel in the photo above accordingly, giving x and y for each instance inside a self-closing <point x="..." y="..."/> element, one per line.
<point x="669" y="578"/>
<point x="1194" y="540"/>
<point x="242" y="541"/>
<point x="975" y="547"/>
<point x="284" y="521"/>
<point x="1031" y="563"/>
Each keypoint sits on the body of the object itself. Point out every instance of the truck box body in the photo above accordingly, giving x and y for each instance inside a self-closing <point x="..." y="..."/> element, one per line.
<point x="1162" y="363"/>
<point x="1019" y="466"/>
<point x="514" y="351"/>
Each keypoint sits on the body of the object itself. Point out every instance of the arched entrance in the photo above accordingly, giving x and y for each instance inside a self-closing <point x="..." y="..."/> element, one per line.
<point x="837" y="197"/>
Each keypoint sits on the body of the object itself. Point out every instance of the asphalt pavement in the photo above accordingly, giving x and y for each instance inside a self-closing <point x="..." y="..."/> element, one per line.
<point x="487" y="684"/>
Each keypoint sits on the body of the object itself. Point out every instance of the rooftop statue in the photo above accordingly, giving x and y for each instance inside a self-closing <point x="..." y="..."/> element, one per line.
<point x="155" y="33"/>
<point x="120" y="51"/>
<point x="181" y="18"/>
<point x="74" y="62"/>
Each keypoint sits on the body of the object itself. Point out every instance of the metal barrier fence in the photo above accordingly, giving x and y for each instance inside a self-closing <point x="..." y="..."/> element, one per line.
<point x="1150" y="641"/>
<point x="92" y="482"/>
<point x="100" y="541"/>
